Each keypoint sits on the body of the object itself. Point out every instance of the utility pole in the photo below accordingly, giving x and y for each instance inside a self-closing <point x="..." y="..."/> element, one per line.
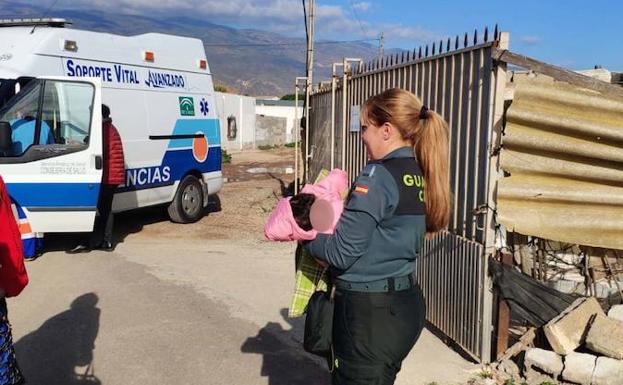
<point x="296" y="133"/>
<point x="381" y="46"/>
<point x="310" y="72"/>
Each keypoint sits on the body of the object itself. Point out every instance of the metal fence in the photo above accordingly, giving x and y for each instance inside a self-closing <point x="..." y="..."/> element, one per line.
<point x="452" y="274"/>
<point x="458" y="79"/>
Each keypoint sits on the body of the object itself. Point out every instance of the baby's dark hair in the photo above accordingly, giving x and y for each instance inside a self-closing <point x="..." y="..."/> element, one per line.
<point x="301" y="204"/>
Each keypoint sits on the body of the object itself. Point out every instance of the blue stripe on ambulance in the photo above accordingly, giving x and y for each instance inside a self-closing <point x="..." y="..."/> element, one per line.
<point x="209" y="127"/>
<point x="179" y="159"/>
<point x="28" y="195"/>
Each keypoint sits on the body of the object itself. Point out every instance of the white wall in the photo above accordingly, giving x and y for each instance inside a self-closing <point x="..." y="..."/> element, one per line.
<point x="287" y="112"/>
<point x="243" y="109"/>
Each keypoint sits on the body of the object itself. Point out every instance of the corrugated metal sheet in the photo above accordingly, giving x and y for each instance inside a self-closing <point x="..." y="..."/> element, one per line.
<point x="563" y="148"/>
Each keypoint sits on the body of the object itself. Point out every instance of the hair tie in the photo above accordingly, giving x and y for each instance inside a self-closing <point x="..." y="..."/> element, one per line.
<point x="424" y="112"/>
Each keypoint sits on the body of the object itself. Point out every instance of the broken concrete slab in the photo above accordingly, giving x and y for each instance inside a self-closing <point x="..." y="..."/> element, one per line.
<point x="616" y="312"/>
<point x="526" y="341"/>
<point x="608" y="371"/>
<point x="579" y="368"/>
<point x="605" y="336"/>
<point x="545" y="360"/>
<point x="567" y="331"/>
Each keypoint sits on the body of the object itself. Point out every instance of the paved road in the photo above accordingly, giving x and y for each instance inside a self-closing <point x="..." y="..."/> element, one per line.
<point x="138" y="328"/>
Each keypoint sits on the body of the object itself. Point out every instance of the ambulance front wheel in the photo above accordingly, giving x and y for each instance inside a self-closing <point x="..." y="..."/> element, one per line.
<point x="187" y="206"/>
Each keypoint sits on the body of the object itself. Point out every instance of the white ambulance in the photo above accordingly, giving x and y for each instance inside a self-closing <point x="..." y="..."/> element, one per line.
<point x="53" y="81"/>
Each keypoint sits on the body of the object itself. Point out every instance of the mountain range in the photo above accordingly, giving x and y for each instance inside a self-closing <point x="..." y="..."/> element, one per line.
<point x="245" y="61"/>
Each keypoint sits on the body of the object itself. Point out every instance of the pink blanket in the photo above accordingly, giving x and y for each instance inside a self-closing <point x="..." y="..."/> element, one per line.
<point x="324" y="215"/>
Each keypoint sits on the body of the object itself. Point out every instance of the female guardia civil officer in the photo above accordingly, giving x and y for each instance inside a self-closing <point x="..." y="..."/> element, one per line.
<point x="401" y="194"/>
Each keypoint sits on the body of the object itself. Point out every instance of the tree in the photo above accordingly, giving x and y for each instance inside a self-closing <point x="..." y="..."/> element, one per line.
<point x="291" y="97"/>
<point x="220" y="88"/>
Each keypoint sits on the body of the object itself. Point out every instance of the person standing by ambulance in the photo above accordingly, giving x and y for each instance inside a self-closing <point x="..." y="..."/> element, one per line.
<point x="13" y="279"/>
<point x="402" y="194"/>
<point x="113" y="175"/>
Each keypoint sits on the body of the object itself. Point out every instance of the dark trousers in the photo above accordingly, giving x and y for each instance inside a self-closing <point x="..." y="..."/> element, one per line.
<point x="373" y="333"/>
<point x="9" y="370"/>
<point x="102" y="232"/>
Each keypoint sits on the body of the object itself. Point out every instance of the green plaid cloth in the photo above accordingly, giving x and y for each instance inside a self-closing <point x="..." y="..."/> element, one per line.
<point x="310" y="276"/>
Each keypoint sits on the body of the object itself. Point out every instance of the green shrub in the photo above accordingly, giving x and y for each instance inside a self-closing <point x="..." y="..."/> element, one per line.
<point x="265" y="147"/>
<point x="510" y="381"/>
<point x="485" y="374"/>
<point x="291" y="144"/>
<point x="220" y="88"/>
<point x="225" y="157"/>
<point x="292" y="96"/>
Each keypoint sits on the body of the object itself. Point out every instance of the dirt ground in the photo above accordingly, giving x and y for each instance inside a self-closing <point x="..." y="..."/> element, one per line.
<point x="245" y="200"/>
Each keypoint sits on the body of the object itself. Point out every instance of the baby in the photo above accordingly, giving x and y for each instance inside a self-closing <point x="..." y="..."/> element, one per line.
<point x="316" y="209"/>
<point x="301" y="205"/>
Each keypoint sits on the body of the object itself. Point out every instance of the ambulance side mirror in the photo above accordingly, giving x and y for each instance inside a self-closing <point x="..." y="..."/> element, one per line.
<point x="5" y="137"/>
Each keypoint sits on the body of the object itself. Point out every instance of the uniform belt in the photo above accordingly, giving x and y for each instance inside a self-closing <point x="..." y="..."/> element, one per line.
<point x="381" y="286"/>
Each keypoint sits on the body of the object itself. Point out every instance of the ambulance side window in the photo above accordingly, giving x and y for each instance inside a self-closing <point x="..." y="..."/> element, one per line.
<point x="67" y="109"/>
<point x="23" y="116"/>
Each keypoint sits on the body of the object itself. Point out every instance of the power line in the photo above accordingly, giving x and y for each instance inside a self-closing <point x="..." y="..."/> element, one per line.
<point x="49" y="9"/>
<point x="357" y="17"/>
<point x="45" y="14"/>
<point x="289" y="44"/>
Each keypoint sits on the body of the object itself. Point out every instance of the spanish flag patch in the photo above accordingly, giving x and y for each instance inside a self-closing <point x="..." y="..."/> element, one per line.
<point x="361" y="189"/>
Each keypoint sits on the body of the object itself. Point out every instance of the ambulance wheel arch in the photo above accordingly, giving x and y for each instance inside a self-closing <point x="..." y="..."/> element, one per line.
<point x="189" y="200"/>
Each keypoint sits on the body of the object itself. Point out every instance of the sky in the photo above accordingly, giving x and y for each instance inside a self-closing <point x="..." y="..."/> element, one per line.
<point x="575" y="34"/>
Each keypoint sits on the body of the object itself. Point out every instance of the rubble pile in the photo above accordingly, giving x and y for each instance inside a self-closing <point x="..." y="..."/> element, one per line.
<point x="586" y="347"/>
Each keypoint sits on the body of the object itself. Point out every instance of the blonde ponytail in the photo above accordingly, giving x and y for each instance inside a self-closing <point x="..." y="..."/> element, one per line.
<point x="431" y="150"/>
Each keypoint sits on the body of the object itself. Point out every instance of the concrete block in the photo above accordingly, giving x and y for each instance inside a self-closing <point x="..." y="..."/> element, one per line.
<point x="564" y="286"/>
<point x="567" y="331"/>
<point x="545" y="360"/>
<point x="616" y="312"/>
<point x="608" y="371"/>
<point x="605" y="336"/>
<point x="579" y="368"/>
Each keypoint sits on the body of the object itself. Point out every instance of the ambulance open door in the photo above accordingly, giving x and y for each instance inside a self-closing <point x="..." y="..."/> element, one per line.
<point x="53" y="164"/>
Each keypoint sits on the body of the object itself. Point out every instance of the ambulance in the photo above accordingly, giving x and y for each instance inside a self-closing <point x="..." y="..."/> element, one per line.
<point x="53" y="82"/>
